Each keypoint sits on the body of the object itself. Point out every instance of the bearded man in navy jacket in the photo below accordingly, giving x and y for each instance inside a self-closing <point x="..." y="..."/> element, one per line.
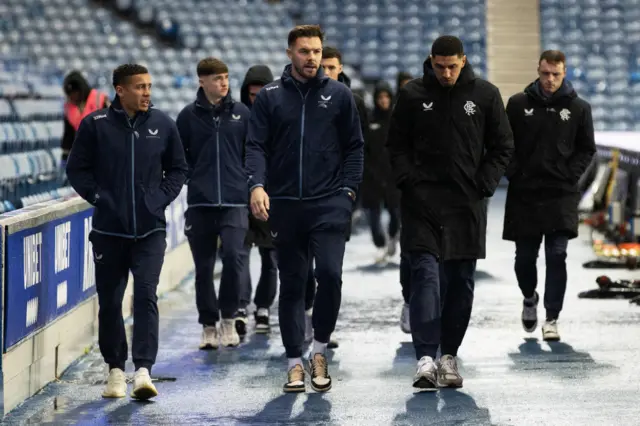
<point x="305" y="145"/>
<point x="127" y="161"/>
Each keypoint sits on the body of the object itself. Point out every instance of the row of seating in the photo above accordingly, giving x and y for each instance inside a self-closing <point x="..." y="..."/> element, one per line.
<point x="30" y="109"/>
<point x="27" y="173"/>
<point x="30" y="135"/>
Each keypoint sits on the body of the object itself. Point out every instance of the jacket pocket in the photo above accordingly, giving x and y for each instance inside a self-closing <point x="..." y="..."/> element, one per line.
<point x="156" y="201"/>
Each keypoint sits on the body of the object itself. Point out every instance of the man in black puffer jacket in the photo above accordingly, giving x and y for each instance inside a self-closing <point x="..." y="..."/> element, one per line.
<point x="450" y="143"/>
<point x="554" y="140"/>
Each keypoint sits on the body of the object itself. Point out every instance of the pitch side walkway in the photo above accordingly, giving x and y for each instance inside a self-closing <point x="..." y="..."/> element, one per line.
<point x="590" y="378"/>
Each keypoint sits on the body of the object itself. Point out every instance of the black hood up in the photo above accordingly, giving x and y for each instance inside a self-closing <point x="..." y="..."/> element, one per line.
<point x="75" y="82"/>
<point x="401" y="76"/>
<point x="257" y="74"/>
<point x="429" y="78"/>
<point x="378" y="114"/>
<point x="566" y="90"/>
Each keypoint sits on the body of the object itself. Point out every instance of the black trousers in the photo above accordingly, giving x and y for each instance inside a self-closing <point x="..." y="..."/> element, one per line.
<point x="114" y="257"/>
<point x="441" y="303"/>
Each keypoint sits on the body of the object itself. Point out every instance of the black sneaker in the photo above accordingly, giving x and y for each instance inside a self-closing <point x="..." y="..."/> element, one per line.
<point x="320" y="379"/>
<point x="333" y="344"/>
<point x="261" y="317"/>
<point x="241" y="321"/>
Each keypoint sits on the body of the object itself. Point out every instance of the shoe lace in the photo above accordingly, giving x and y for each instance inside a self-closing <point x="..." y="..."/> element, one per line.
<point x="319" y="365"/>
<point x="296" y="374"/>
<point x="449" y="365"/>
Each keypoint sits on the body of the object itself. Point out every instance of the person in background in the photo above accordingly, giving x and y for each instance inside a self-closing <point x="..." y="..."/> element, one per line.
<point x="554" y="141"/>
<point x="81" y="100"/>
<point x="378" y="187"/>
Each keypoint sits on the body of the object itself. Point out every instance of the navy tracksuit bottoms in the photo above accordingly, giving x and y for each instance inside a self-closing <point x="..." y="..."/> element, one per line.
<point x="440" y="304"/>
<point x="268" y="282"/>
<point x="114" y="257"/>
<point x="555" y="249"/>
<point x="301" y="229"/>
<point x="203" y="226"/>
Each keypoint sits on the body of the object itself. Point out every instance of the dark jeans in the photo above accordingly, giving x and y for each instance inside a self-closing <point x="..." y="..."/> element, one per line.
<point x="441" y="303"/>
<point x="203" y="226"/>
<point x="114" y="257"/>
<point x="555" y="249"/>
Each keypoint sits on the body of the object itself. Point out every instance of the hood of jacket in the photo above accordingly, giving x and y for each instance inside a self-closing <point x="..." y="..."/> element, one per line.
<point x="257" y="74"/>
<point x="566" y="90"/>
<point x="429" y="78"/>
<point x="379" y="114"/>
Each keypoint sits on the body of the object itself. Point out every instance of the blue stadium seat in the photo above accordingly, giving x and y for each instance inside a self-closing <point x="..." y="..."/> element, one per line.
<point x="602" y="41"/>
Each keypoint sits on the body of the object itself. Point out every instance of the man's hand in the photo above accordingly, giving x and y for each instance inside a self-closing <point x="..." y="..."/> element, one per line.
<point x="260" y="203"/>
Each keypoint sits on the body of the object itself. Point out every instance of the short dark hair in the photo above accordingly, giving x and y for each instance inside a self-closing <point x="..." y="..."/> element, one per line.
<point x="329" y="52"/>
<point x="304" y="31"/>
<point x="447" y="46"/>
<point x="552" y="57"/>
<point x="211" y="66"/>
<point x="122" y="73"/>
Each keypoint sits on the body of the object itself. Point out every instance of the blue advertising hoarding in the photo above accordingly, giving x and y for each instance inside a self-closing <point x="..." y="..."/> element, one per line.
<point x="48" y="271"/>
<point x="48" y="266"/>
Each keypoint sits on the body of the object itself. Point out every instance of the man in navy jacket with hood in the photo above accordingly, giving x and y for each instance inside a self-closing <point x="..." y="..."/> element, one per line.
<point x="305" y="146"/>
<point x="213" y="130"/>
<point x="127" y="161"/>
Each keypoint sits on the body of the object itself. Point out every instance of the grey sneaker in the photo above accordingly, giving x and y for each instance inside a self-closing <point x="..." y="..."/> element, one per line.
<point x="425" y="378"/>
<point x="550" y="331"/>
<point x="448" y="374"/>
<point x="530" y="313"/>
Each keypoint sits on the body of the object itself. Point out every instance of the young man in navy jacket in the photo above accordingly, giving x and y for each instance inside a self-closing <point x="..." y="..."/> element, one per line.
<point x="305" y="146"/>
<point x="127" y="161"/>
<point x="213" y="130"/>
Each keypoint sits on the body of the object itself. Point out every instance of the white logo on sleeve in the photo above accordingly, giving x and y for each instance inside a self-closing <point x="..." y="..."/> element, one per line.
<point x="427" y="106"/>
<point x="470" y="108"/>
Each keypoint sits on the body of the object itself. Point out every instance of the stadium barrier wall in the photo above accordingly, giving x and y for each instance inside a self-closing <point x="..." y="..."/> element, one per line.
<point x="49" y="304"/>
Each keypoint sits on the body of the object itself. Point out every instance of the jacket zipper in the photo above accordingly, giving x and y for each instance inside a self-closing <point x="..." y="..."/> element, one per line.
<point x="133" y="176"/>
<point x="304" y="104"/>
<point x="216" y="122"/>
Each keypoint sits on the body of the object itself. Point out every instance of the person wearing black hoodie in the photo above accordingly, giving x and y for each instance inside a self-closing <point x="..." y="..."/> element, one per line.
<point x="378" y="187"/>
<point x="554" y="142"/>
<point x="259" y="235"/>
<point x="213" y="129"/>
<point x="128" y="162"/>
<point x="450" y="143"/>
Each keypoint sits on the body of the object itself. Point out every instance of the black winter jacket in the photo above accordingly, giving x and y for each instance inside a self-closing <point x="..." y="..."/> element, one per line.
<point x="449" y="148"/>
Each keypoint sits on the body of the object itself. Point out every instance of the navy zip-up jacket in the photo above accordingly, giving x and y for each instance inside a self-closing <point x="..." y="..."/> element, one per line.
<point x="129" y="169"/>
<point x="213" y="138"/>
<point x="304" y="140"/>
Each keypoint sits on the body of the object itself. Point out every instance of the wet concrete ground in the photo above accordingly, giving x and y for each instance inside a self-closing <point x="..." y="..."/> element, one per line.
<point x="511" y="378"/>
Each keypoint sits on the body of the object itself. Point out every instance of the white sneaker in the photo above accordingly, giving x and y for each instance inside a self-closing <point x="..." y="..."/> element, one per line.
<point x="209" y="337"/>
<point x="426" y="375"/>
<point x="143" y="388"/>
<point x="550" y="331"/>
<point x="530" y="313"/>
<point x="308" y="326"/>
<point x="382" y="258"/>
<point x="405" y="325"/>
<point x="448" y="374"/>
<point x="228" y="335"/>
<point x="116" y="384"/>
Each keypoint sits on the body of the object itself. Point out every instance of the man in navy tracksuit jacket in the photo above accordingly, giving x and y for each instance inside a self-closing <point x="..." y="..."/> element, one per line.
<point x="305" y="146"/>
<point x="127" y="161"/>
<point x="213" y="130"/>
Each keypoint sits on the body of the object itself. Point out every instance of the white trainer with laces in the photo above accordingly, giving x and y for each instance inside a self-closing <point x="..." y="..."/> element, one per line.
<point x="228" y="334"/>
<point x="116" y="384"/>
<point x="210" y="338"/>
<point x="143" y="387"/>
<point x="426" y="379"/>
<point x="550" y="331"/>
